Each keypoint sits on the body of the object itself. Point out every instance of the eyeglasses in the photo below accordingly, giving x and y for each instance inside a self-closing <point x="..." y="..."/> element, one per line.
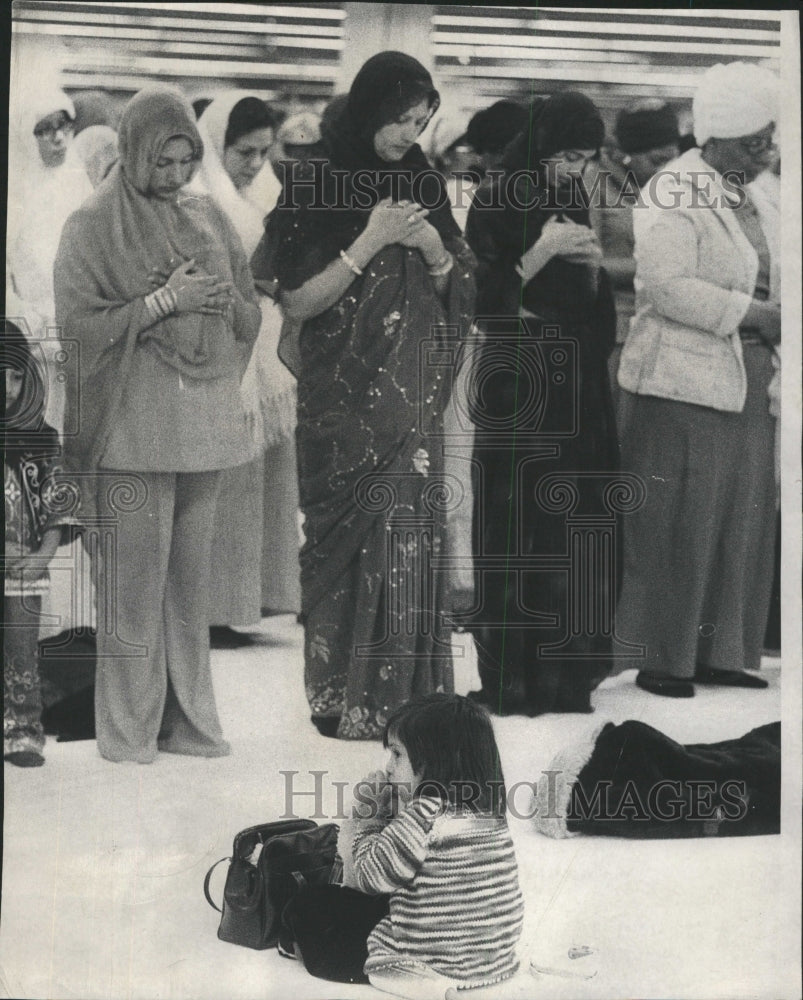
<point x="758" y="144"/>
<point x="51" y="131"/>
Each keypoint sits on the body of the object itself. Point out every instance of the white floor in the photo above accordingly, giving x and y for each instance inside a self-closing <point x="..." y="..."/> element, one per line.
<point x="103" y="863"/>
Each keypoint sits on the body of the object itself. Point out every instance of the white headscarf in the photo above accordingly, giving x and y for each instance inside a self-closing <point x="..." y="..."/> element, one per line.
<point x="40" y="199"/>
<point x="247" y="208"/>
<point x="29" y="179"/>
<point x="268" y="388"/>
<point x="734" y="99"/>
<point x="96" y="147"/>
<point x="29" y="109"/>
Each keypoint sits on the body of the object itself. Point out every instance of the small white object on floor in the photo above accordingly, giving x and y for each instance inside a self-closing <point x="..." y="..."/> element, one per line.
<point x="578" y="961"/>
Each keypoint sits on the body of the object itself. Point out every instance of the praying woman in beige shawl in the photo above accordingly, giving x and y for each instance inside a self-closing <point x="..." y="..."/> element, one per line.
<point x="159" y="415"/>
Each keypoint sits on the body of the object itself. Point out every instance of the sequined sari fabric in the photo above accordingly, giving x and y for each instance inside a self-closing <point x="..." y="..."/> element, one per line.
<point x="371" y="394"/>
<point x="371" y="399"/>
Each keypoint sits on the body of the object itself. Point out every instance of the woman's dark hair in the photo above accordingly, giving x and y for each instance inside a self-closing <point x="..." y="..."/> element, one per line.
<point x="491" y="129"/>
<point x="246" y="116"/>
<point x="388" y="85"/>
<point x="451" y="745"/>
<point x="399" y="103"/>
<point x="23" y="419"/>
<point x="200" y="105"/>
<point x="568" y="120"/>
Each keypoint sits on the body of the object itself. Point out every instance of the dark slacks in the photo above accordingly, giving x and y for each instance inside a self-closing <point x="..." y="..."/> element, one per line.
<point x="329" y="925"/>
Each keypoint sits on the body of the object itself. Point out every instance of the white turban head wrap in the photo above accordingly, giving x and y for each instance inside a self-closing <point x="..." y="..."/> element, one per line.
<point x="734" y="99"/>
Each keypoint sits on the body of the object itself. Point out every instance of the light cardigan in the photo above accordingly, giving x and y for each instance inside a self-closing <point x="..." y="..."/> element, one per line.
<point x="455" y="905"/>
<point x="695" y="275"/>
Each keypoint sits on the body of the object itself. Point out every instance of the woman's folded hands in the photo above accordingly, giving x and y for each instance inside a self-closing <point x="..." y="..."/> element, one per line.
<point x="561" y="238"/>
<point x="194" y="290"/>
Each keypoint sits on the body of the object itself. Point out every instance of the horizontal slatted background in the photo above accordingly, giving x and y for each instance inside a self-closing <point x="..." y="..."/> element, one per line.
<point x="276" y="49"/>
<point x="478" y="53"/>
<point x="614" y="55"/>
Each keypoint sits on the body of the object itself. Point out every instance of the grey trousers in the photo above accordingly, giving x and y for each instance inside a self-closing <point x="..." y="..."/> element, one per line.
<point x="236" y="577"/>
<point x="154" y="684"/>
<point x="698" y="556"/>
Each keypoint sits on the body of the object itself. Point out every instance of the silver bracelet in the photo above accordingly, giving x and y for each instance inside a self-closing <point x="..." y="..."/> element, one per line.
<point x="350" y="263"/>
<point x="169" y="296"/>
<point x="154" y="306"/>
<point x="161" y="302"/>
<point x="442" y="267"/>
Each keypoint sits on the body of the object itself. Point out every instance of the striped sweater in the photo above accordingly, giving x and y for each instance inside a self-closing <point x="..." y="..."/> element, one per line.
<point x="455" y="903"/>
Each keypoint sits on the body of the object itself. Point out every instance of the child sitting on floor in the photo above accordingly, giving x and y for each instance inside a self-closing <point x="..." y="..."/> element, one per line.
<point x="431" y="897"/>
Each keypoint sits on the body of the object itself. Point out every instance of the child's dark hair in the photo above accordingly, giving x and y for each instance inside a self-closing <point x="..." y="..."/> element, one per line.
<point x="451" y="745"/>
<point x="16" y="354"/>
<point x="24" y="430"/>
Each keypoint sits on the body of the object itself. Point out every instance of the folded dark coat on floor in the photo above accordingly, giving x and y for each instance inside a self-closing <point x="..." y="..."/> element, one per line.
<point x="633" y="781"/>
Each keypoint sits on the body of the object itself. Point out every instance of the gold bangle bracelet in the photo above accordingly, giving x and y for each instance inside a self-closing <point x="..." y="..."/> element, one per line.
<point x="442" y="267"/>
<point x="350" y="263"/>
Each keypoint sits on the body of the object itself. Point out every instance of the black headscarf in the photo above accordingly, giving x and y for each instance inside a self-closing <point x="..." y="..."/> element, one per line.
<point x="642" y="128"/>
<point x="565" y="121"/>
<point x="493" y="128"/>
<point x="24" y="429"/>
<point x="387" y="85"/>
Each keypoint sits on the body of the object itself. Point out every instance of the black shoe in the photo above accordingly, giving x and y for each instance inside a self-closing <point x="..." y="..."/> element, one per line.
<point x="327" y="725"/>
<point x="284" y="948"/>
<point x="728" y="678"/>
<point x="670" y="687"/>
<point x="24" y="758"/>
<point x="223" y="637"/>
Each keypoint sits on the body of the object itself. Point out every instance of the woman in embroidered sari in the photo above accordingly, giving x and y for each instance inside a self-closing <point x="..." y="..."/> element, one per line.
<point x="368" y="283"/>
<point x="159" y="414"/>
<point x="255" y="552"/>
<point x="546" y="389"/>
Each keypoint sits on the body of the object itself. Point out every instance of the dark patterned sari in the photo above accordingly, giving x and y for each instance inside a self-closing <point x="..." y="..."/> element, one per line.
<point x="371" y="397"/>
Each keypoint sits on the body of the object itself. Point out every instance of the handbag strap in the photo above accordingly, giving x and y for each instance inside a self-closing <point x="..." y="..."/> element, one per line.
<point x="206" y="885"/>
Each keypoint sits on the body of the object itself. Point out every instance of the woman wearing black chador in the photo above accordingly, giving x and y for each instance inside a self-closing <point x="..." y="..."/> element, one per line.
<point x="546" y="440"/>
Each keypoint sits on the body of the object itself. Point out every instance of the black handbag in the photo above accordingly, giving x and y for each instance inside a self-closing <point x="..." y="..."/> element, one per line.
<point x="294" y="853"/>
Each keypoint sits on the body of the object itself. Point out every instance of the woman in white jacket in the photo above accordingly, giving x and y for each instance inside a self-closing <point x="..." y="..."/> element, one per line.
<point x="699" y="359"/>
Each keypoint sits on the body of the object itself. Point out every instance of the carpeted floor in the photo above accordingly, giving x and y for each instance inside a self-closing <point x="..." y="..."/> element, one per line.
<point x="104" y="863"/>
